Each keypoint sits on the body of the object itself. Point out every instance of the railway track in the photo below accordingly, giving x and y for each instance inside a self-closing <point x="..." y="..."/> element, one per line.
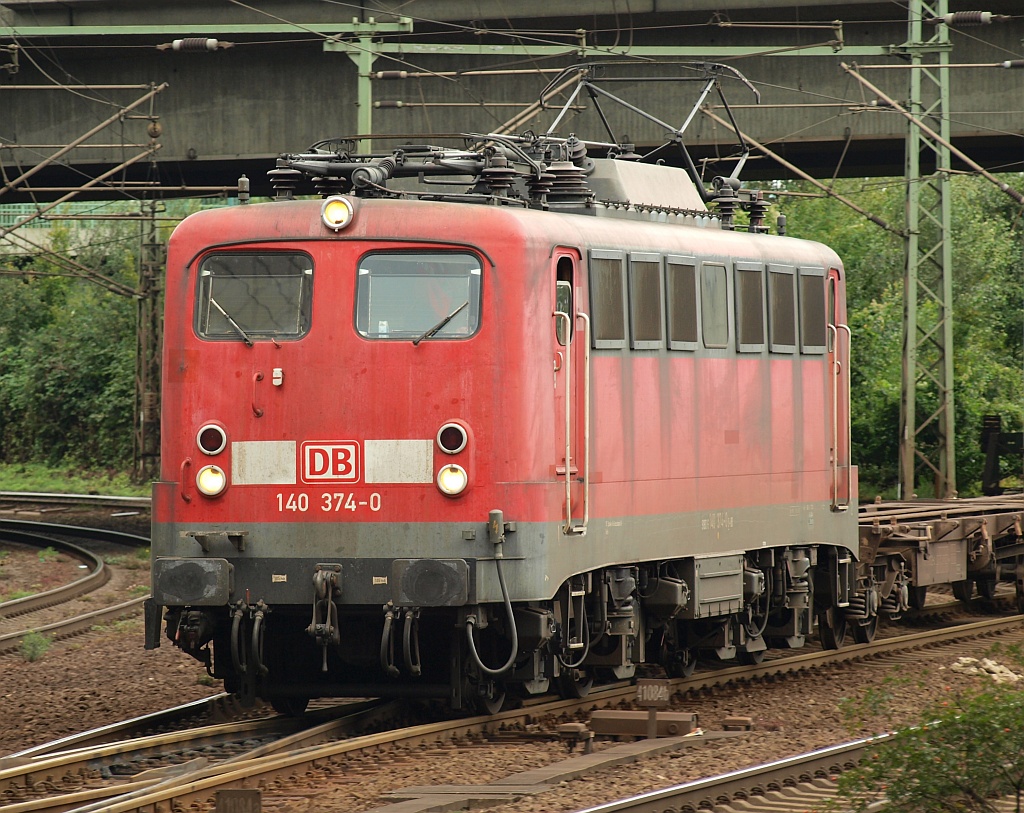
<point x="14" y="613"/>
<point x="13" y="500"/>
<point x="185" y="769"/>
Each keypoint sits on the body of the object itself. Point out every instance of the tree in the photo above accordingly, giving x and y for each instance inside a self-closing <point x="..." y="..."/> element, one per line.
<point x="67" y="351"/>
<point x="967" y="756"/>
<point x="988" y="279"/>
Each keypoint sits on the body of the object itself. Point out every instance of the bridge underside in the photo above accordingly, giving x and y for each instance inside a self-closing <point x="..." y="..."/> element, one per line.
<point x="291" y="78"/>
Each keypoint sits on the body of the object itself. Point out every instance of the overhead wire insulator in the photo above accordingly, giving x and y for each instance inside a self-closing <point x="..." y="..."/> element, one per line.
<point x="389" y="75"/>
<point x="195" y="44"/>
<point x="966" y="18"/>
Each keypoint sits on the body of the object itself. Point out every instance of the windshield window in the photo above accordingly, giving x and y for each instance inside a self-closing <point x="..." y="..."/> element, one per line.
<point x="249" y="296"/>
<point x="407" y="295"/>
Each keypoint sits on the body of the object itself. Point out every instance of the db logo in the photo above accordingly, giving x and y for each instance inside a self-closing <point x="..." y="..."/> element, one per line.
<point x="336" y="461"/>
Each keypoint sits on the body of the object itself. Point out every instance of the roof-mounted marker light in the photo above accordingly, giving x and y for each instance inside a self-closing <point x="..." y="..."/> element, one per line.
<point x="336" y="212"/>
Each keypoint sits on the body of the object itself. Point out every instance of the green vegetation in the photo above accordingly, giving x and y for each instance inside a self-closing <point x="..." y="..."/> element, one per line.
<point x="965" y="754"/>
<point x="48" y="555"/>
<point x="68" y="480"/>
<point x="988" y="292"/>
<point x="33" y="646"/>
<point x="137" y="560"/>
<point x="67" y="347"/>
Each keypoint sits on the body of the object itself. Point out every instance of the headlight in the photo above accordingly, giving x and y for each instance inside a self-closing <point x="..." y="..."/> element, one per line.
<point x="336" y="212"/>
<point x="452" y="479"/>
<point x="211" y="480"/>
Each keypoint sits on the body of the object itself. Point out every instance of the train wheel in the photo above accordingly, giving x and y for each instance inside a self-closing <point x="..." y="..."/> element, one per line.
<point x="987" y="587"/>
<point x="289" y="706"/>
<point x="832" y="626"/>
<point x="574" y="684"/>
<point x="682" y="664"/>
<point x="492" y="702"/>
<point x="865" y="633"/>
<point x="917" y="597"/>
<point x="751" y="658"/>
<point x="962" y="590"/>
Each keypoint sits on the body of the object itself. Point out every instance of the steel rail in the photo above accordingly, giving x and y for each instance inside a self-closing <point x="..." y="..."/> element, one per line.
<point x="75" y="531"/>
<point x="705" y="794"/>
<point x="98" y="575"/>
<point x="116" y="731"/>
<point x="76" y="499"/>
<point x="18" y="772"/>
<point x="197" y="782"/>
<point x="59" y="630"/>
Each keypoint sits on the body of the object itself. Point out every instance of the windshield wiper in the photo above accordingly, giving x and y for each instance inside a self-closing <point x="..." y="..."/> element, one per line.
<point x="440" y="324"/>
<point x="232" y="322"/>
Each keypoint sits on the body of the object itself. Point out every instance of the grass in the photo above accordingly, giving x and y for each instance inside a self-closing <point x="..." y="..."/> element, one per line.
<point x="35" y="477"/>
<point x="130" y="561"/>
<point x="34" y="646"/>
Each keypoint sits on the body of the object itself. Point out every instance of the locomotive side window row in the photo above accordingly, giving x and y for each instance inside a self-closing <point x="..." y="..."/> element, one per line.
<point x="252" y="296"/>
<point x="644" y="299"/>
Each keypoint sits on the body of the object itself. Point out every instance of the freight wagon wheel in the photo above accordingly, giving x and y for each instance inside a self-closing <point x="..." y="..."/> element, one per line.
<point x="751" y="658"/>
<point x="289" y="706"/>
<point x="492" y="702"/>
<point x="832" y="626"/>
<point x="987" y="587"/>
<point x="682" y="664"/>
<point x="917" y="597"/>
<point x="574" y="684"/>
<point x="963" y="589"/>
<point x="865" y="633"/>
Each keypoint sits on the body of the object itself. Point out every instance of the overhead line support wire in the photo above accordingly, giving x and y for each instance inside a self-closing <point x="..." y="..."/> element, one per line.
<point x="78" y="270"/>
<point x="1005" y="187"/>
<point x="796" y="170"/>
<point x="89" y="184"/>
<point x="62" y="152"/>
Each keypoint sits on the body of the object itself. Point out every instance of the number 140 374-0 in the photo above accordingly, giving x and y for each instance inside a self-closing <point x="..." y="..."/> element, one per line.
<point x="328" y="501"/>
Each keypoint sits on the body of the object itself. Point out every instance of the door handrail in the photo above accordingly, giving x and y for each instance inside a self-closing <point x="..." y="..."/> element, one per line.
<point x="566" y="369"/>
<point x="582" y="529"/>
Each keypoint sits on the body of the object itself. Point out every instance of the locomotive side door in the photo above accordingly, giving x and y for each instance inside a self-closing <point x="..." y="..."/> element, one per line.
<point x="571" y="335"/>
<point x="838" y="342"/>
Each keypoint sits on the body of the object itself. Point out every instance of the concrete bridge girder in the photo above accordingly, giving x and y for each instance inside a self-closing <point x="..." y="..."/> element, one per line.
<point x="233" y="110"/>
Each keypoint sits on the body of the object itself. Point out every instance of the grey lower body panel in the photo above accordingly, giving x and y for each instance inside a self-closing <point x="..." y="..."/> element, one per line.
<point x="450" y="564"/>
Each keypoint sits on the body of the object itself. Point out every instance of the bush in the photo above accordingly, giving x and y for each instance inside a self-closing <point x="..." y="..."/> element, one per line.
<point x="33" y="646"/>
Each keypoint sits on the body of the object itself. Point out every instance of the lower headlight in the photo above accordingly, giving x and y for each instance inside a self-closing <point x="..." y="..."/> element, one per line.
<point x="452" y="479"/>
<point x="211" y="480"/>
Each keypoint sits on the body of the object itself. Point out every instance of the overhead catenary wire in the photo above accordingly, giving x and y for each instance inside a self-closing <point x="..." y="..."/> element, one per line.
<point x="1002" y="185"/>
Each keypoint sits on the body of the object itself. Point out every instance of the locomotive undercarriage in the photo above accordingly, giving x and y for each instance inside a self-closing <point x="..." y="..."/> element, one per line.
<point x="599" y="627"/>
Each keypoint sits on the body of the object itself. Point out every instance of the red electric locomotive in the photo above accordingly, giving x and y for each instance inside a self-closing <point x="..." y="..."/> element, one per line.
<point x="529" y="425"/>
